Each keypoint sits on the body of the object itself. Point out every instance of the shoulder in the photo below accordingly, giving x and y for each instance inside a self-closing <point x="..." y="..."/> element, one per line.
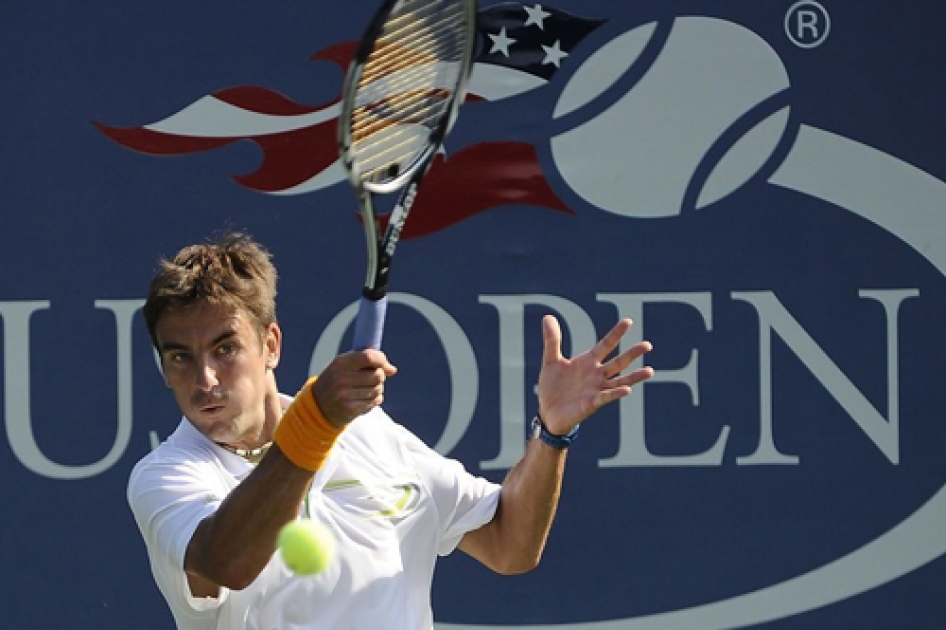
<point x="377" y="432"/>
<point x="377" y="435"/>
<point x="378" y="425"/>
<point x="171" y="457"/>
<point x="182" y="461"/>
<point x="184" y="445"/>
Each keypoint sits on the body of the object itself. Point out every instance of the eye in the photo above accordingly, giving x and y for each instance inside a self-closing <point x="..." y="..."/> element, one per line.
<point x="226" y="349"/>
<point x="179" y="358"/>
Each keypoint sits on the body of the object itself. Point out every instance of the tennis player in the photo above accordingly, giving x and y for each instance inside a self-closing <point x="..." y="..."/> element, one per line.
<point x="246" y="459"/>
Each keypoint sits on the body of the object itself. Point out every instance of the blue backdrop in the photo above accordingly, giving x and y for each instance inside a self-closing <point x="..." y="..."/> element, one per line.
<point x="761" y="185"/>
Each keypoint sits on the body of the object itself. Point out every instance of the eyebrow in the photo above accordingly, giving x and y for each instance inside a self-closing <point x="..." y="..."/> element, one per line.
<point x="172" y="346"/>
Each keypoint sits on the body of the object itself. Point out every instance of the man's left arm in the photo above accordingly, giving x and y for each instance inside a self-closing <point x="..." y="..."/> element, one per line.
<point x="569" y="391"/>
<point x="513" y="541"/>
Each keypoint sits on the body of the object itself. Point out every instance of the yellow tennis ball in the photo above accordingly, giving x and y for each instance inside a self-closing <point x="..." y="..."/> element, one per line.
<point x="307" y="546"/>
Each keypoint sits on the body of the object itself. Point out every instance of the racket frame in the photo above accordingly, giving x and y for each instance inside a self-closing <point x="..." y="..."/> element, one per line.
<point x="380" y="248"/>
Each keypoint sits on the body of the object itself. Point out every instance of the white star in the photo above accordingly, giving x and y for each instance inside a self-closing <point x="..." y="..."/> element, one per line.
<point x="537" y="16"/>
<point x="554" y="54"/>
<point x="501" y="43"/>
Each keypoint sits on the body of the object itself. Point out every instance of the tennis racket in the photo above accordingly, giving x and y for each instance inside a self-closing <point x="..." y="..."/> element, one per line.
<point x="400" y="99"/>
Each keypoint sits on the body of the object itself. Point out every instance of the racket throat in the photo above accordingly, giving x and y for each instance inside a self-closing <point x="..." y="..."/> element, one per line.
<point x="374" y="293"/>
<point x="377" y="285"/>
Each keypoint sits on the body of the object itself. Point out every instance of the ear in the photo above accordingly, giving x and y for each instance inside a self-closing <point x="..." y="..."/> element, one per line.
<point x="272" y="345"/>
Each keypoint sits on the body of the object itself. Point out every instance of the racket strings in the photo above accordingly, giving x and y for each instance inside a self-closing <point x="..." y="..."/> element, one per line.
<point x="404" y="100"/>
<point x="404" y="85"/>
<point x="405" y="90"/>
<point x="416" y="50"/>
<point x="385" y="142"/>
<point x="369" y="126"/>
<point x="397" y="128"/>
<point x="430" y="40"/>
<point x="417" y="28"/>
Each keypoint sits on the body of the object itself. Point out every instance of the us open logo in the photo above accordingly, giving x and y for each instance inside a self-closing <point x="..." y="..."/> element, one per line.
<point x="652" y="124"/>
<point x="728" y="88"/>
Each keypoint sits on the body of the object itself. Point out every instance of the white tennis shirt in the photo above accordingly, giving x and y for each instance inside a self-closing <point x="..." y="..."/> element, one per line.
<point x="393" y="504"/>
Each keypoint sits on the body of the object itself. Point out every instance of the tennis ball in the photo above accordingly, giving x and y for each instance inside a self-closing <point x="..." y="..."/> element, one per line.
<point x="307" y="546"/>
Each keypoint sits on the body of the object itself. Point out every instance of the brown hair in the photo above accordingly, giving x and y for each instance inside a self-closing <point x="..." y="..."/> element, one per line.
<point x="232" y="271"/>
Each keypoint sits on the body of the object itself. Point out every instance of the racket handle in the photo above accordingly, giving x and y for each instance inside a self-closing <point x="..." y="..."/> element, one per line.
<point x="369" y="325"/>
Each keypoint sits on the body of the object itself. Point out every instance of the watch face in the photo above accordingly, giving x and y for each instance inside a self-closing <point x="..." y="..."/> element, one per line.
<point x="536" y="427"/>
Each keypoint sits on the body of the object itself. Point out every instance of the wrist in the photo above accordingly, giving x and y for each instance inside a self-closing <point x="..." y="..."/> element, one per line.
<point x="557" y="441"/>
<point x="304" y="435"/>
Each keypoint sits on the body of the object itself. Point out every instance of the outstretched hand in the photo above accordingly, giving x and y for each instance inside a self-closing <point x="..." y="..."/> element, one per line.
<point x="570" y="390"/>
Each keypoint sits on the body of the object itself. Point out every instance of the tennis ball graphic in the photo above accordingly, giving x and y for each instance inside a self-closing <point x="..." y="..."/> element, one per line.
<point x="307" y="546"/>
<point x="702" y="119"/>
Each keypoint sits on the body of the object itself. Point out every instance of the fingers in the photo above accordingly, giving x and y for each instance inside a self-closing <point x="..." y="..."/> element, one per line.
<point x="616" y="384"/>
<point x="552" y="338"/>
<point x="569" y="390"/>
<point x="552" y="351"/>
<point x="613" y="370"/>
<point x="632" y="378"/>
<point x="611" y="340"/>
<point x="352" y="385"/>
<point x="610" y="395"/>
<point x="367" y="360"/>
<point x="620" y="363"/>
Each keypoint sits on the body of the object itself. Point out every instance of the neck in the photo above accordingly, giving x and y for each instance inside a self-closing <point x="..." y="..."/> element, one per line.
<point x="273" y="411"/>
<point x="252" y="455"/>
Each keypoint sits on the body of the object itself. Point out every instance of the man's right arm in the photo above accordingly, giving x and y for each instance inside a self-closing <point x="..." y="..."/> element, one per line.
<point x="232" y="547"/>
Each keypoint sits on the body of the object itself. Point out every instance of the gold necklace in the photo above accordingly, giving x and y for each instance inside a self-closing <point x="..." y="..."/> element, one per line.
<point x="253" y="455"/>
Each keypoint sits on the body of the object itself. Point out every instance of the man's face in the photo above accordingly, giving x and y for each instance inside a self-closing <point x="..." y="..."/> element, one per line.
<point x="219" y="370"/>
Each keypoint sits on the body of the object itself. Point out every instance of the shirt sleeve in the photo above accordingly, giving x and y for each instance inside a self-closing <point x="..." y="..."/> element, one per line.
<point x="169" y="500"/>
<point x="464" y="501"/>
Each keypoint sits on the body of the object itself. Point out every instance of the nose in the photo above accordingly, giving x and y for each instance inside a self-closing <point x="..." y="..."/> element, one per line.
<point x="207" y="377"/>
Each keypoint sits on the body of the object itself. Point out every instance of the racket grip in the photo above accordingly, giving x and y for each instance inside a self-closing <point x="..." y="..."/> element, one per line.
<point x="369" y="325"/>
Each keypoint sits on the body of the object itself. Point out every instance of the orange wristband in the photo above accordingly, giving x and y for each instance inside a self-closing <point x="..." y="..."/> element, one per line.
<point x="304" y="435"/>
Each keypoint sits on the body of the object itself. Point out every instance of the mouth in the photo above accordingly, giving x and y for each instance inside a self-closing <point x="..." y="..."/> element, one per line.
<point x="210" y="405"/>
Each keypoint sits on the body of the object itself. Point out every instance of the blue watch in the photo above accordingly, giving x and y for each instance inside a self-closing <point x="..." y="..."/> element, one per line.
<point x="561" y="442"/>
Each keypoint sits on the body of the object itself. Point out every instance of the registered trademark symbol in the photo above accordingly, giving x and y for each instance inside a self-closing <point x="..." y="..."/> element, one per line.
<point x="807" y="24"/>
